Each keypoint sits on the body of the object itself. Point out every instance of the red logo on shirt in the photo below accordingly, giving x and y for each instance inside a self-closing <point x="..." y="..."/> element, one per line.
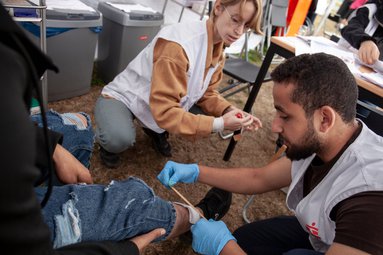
<point x="313" y="230"/>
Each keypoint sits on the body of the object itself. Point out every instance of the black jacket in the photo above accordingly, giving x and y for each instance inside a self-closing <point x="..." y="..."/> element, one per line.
<point x="22" y="229"/>
<point x="354" y="32"/>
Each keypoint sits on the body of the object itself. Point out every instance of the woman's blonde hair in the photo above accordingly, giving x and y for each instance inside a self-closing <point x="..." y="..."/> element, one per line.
<point x="255" y="23"/>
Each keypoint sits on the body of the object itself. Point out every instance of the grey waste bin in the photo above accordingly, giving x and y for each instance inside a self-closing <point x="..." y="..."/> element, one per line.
<point x="71" y="43"/>
<point x="127" y="29"/>
<point x="279" y="12"/>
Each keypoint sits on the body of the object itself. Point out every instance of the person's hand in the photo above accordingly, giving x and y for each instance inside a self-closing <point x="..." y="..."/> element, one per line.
<point x="209" y="237"/>
<point x="255" y="124"/>
<point x="368" y="52"/>
<point x="175" y="172"/>
<point x="237" y="119"/>
<point x="68" y="169"/>
<point x="143" y="240"/>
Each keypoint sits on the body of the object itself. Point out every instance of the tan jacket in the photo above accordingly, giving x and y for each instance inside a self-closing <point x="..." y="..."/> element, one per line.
<point x="169" y="82"/>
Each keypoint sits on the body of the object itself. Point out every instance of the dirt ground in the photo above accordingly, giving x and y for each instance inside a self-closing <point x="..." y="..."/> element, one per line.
<point x="254" y="149"/>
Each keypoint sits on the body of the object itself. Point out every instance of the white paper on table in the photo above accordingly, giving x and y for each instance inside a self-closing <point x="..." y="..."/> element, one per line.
<point x="75" y="5"/>
<point x="377" y="66"/>
<point x="131" y="7"/>
<point x="312" y="45"/>
<point x="302" y="45"/>
<point x="375" y="78"/>
<point x="321" y="44"/>
<point x="346" y="56"/>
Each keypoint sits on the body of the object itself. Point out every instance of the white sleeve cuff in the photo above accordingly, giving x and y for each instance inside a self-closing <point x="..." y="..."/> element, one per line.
<point x="218" y="124"/>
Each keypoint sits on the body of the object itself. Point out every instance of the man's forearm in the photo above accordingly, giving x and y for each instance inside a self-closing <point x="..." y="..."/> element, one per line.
<point x="232" y="248"/>
<point x="237" y="180"/>
<point x="273" y="176"/>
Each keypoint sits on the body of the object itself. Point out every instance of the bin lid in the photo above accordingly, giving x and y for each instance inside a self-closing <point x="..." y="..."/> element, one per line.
<point x="70" y="14"/>
<point x="131" y="14"/>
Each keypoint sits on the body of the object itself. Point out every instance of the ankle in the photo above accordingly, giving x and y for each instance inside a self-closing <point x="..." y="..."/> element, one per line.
<point x="182" y="224"/>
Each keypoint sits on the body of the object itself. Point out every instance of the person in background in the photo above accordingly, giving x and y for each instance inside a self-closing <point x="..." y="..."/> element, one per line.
<point x="346" y="9"/>
<point x="25" y="224"/>
<point x="311" y="12"/>
<point x="181" y="67"/>
<point x="364" y="31"/>
<point x="333" y="167"/>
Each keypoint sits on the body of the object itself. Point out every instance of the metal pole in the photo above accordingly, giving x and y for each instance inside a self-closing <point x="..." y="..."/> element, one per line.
<point x="163" y="8"/>
<point x="204" y="10"/>
<point x="182" y="12"/>
<point x="43" y="45"/>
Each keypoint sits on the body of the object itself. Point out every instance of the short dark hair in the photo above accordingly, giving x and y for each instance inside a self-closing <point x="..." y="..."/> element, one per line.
<point x="320" y="79"/>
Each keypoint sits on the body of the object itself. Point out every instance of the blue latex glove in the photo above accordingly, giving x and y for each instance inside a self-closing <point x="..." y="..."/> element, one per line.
<point x="175" y="172"/>
<point x="209" y="237"/>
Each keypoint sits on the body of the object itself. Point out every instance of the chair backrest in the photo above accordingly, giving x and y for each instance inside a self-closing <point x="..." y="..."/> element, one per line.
<point x="371" y="115"/>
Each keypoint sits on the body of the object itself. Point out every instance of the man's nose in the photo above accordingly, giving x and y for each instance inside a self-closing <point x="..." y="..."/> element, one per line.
<point x="276" y="126"/>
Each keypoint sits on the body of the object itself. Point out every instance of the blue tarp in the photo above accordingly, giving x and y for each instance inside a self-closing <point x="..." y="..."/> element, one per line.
<point x="52" y="31"/>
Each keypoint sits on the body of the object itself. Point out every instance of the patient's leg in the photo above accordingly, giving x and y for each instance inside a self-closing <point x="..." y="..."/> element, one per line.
<point x="118" y="211"/>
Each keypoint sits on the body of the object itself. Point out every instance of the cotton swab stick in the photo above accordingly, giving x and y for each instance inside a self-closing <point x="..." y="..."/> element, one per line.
<point x="187" y="201"/>
<point x="278" y="153"/>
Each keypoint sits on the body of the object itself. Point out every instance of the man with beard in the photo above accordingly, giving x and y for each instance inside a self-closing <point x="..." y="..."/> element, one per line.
<point x="333" y="167"/>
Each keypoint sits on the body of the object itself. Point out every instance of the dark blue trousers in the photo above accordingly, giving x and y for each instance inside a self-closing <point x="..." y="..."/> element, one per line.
<point x="275" y="236"/>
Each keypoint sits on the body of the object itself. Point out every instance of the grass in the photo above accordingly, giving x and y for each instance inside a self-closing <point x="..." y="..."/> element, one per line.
<point x="253" y="55"/>
<point x="96" y="80"/>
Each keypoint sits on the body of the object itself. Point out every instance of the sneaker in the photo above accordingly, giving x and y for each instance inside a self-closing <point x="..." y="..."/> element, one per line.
<point x="215" y="204"/>
<point x="109" y="159"/>
<point x="160" y="142"/>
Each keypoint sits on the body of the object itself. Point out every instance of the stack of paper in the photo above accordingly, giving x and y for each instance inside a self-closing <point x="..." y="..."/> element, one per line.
<point x="65" y="5"/>
<point x="131" y="7"/>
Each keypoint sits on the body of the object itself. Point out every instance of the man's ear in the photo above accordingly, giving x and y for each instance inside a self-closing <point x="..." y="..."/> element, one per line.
<point x="326" y="116"/>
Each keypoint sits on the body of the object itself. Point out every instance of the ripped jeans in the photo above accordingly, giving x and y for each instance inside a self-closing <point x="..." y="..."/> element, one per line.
<point x="77" y="138"/>
<point x="120" y="210"/>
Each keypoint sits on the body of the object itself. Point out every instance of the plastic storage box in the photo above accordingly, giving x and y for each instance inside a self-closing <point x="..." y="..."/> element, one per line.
<point x="71" y="43"/>
<point x="127" y="29"/>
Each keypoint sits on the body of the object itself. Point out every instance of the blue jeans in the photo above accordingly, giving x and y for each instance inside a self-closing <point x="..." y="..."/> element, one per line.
<point x="78" y="140"/>
<point x="115" y="130"/>
<point x="120" y="210"/>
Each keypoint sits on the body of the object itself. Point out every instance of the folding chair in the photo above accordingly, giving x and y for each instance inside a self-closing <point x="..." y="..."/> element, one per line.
<point x="371" y="115"/>
<point x="242" y="71"/>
